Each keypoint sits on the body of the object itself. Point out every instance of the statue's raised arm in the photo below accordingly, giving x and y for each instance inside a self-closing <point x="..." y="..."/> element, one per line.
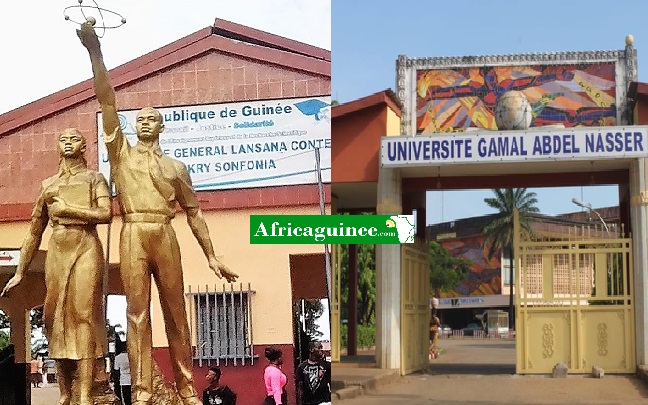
<point x="104" y="90"/>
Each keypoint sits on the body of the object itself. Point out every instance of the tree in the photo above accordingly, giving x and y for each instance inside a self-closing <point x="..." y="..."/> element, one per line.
<point x="112" y="333"/>
<point x="499" y="232"/>
<point x="366" y="283"/>
<point x="446" y="271"/>
<point x="4" y="340"/>
<point x="39" y="342"/>
<point x="313" y="309"/>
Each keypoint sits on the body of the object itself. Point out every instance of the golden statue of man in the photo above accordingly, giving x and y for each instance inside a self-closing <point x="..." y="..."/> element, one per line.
<point x="149" y="184"/>
<point x="74" y="201"/>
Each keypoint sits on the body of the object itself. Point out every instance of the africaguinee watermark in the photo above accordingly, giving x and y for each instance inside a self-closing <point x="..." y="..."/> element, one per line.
<point x="332" y="229"/>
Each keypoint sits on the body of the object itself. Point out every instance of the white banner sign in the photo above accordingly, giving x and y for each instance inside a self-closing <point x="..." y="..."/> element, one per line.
<point x="480" y="301"/>
<point x="242" y="145"/>
<point x="455" y="302"/>
<point x="515" y="146"/>
<point x="9" y="258"/>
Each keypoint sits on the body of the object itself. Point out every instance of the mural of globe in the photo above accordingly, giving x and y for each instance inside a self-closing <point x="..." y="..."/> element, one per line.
<point x="513" y="111"/>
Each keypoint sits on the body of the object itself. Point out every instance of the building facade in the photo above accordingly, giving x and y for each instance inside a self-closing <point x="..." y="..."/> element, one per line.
<point x="276" y="93"/>
<point x="487" y="286"/>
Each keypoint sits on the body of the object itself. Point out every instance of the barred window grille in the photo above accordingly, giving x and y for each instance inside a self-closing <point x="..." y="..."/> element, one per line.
<point x="221" y="324"/>
<point x="532" y="281"/>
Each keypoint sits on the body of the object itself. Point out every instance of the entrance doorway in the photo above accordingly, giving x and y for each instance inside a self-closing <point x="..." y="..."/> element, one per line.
<point x="457" y="220"/>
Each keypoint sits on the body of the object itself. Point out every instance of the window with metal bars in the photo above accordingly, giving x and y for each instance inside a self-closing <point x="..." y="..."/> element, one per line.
<point x="222" y="326"/>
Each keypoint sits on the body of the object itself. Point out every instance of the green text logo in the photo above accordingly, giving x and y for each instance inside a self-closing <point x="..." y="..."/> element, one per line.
<point x="332" y="229"/>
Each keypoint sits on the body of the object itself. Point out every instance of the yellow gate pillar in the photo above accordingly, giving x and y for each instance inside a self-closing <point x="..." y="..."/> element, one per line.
<point x="388" y="280"/>
<point x="638" y="220"/>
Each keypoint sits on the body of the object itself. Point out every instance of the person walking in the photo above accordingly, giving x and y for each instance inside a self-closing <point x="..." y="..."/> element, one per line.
<point x="435" y="324"/>
<point x="123" y="369"/>
<point x="36" y="376"/>
<point x="274" y="379"/>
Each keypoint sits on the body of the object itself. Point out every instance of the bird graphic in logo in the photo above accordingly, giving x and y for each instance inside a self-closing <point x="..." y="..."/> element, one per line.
<point x="126" y="127"/>
<point x="313" y="107"/>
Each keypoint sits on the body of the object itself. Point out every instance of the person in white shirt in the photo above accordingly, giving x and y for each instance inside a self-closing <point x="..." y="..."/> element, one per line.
<point x="122" y="366"/>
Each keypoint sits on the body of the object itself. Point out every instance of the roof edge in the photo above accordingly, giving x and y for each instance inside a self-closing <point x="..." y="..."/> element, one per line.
<point x="235" y="31"/>
<point x="382" y="97"/>
<point x="440" y="62"/>
<point x="171" y="54"/>
<point x="80" y="92"/>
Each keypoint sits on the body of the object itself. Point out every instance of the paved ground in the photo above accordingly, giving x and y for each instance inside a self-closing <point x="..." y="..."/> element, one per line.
<point x="45" y="395"/>
<point x="481" y="372"/>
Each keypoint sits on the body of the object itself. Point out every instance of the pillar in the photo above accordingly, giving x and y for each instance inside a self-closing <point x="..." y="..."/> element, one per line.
<point x="639" y="219"/>
<point x="20" y="333"/>
<point x="388" y="276"/>
<point x="352" y="304"/>
<point x="19" y="381"/>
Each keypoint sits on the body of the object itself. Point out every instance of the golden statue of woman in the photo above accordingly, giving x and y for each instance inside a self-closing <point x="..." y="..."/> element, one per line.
<point x="74" y="201"/>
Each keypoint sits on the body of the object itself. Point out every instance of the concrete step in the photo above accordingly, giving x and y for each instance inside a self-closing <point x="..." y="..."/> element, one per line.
<point x="349" y="382"/>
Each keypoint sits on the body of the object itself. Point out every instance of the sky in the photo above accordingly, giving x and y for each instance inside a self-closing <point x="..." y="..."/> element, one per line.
<point x="368" y="36"/>
<point x="46" y="56"/>
<point x="41" y="53"/>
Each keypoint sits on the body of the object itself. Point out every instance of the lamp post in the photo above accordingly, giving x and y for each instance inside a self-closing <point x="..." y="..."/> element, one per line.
<point x="589" y="207"/>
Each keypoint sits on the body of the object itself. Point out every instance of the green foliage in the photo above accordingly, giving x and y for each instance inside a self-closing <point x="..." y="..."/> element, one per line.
<point x="366" y="336"/>
<point x="499" y="232"/>
<point x="446" y="271"/>
<point x="112" y="333"/>
<point x="366" y="283"/>
<point x="4" y="340"/>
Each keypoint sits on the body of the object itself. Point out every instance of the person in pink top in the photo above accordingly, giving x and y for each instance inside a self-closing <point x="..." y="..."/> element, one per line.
<point x="274" y="378"/>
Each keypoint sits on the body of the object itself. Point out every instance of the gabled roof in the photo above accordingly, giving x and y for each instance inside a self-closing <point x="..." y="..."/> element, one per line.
<point x="383" y="97"/>
<point x="246" y="34"/>
<point x="637" y="88"/>
<point x="223" y="36"/>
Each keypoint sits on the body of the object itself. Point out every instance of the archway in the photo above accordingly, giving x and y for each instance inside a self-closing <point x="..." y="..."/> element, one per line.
<point x="577" y="108"/>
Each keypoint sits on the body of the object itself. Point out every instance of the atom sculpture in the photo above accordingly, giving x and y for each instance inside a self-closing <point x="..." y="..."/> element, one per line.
<point x="92" y="20"/>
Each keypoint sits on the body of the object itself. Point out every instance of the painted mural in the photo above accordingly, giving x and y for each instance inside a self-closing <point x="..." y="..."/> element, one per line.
<point x="451" y="100"/>
<point x="484" y="277"/>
